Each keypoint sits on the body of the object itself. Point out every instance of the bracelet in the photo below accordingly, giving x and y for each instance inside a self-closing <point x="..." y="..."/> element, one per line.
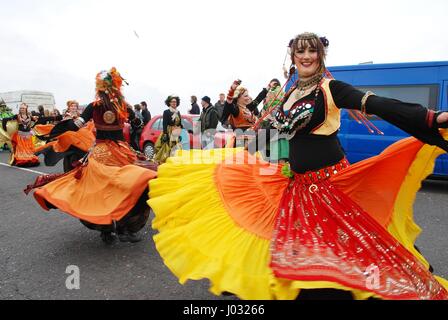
<point x="431" y="117"/>
<point x="230" y="96"/>
<point x="79" y="122"/>
<point x="364" y="101"/>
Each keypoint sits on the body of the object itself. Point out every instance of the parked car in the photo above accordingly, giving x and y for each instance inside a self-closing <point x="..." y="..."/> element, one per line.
<point x="154" y="128"/>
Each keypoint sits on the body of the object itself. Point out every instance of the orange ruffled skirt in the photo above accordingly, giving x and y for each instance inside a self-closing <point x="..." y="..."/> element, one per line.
<point x="101" y="192"/>
<point x="23" y="150"/>
<point x="219" y="218"/>
<point x="83" y="139"/>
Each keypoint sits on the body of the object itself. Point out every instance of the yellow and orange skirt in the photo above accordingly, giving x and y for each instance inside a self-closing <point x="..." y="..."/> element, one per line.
<point x="255" y="233"/>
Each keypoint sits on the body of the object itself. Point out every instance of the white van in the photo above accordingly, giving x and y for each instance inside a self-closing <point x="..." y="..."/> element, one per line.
<point x="32" y="98"/>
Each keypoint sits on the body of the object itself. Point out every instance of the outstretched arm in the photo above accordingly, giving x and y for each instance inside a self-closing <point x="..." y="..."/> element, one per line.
<point x="72" y="125"/>
<point x="229" y="107"/>
<point x="412" y="118"/>
<point x="5" y="121"/>
<point x="254" y="104"/>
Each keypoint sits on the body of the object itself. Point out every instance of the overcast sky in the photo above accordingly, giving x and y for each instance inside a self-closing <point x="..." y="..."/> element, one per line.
<point x="199" y="47"/>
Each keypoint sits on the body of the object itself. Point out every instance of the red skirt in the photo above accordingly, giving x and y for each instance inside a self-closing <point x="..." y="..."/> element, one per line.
<point x="323" y="235"/>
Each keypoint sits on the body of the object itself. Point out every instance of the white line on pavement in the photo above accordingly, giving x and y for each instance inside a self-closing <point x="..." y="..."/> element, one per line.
<point x="22" y="169"/>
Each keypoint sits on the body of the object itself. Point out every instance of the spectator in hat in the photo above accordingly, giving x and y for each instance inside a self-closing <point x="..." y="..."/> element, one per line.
<point x="209" y="121"/>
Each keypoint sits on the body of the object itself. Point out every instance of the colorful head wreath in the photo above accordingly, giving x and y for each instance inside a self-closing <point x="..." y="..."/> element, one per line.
<point x="108" y="85"/>
<point x="311" y="36"/>
<point x="239" y="91"/>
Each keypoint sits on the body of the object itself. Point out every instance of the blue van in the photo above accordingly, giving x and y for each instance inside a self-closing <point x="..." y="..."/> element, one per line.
<point x="425" y="83"/>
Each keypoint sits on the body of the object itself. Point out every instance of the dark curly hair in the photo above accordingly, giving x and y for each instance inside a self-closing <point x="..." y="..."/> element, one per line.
<point x="168" y="100"/>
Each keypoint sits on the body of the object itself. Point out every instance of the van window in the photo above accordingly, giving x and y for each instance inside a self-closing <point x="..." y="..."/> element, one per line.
<point x="426" y="95"/>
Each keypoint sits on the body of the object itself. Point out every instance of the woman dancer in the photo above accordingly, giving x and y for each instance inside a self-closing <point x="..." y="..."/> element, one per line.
<point x="328" y="225"/>
<point x="108" y="191"/>
<point x="22" y="153"/>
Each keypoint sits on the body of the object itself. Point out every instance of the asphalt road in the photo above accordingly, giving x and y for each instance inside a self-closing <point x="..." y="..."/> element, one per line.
<point x="36" y="248"/>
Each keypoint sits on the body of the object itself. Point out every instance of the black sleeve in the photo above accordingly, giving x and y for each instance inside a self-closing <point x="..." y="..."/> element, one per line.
<point x="409" y="117"/>
<point x="87" y="114"/>
<point x="45" y="120"/>
<point x="63" y="126"/>
<point x="69" y="125"/>
<point x="5" y="121"/>
<point x="146" y="116"/>
<point x="181" y="124"/>
<point x="166" y="121"/>
<point x="131" y="115"/>
<point x="253" y="105"/>
<point x="229" y="109"/>
<point x="41" y="120"/>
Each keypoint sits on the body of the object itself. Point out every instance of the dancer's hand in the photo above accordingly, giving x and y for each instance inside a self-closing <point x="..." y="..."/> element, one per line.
<point x="235" y="84"/>
<point x="233" y="87"/>
<point x="442" y="120"/>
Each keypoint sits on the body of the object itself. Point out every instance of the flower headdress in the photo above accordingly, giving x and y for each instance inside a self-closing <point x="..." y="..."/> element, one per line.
<point x="239" y="91"/>
<point x="108" y="85"/>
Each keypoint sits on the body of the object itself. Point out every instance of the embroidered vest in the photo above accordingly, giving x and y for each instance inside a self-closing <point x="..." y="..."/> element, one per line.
<point x="244" y="120"/>
<point x="332" y="121"/>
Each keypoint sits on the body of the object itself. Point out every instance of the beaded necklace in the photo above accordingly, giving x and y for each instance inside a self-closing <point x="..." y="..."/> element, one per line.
<point x="303" y="86"/>
<point x="299" y="116"/>
<point x="24" y="120"/>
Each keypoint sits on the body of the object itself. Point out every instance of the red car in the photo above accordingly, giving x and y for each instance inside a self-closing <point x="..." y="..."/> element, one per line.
<point x="154" y="127"/>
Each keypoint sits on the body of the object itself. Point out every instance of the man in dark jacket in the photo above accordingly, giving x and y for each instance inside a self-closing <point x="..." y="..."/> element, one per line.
<point x="209" y="121"/>
<point x="194" y="106"/>
<point x="220" y="108"/>
<point x="145" y="113"/>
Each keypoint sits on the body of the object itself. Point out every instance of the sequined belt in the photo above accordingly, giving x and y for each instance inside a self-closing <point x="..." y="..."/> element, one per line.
<point x="108" y="127"/>
<point x="312" y="177"/>
<point x="24" y="133"/>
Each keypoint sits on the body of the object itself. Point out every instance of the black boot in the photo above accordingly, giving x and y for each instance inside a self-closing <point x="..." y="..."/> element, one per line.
<point x="129" y="237"/>
<point x="108" y="237"/>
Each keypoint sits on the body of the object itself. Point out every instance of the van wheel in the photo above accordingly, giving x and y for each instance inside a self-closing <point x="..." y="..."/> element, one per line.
<point x="149" y="149"/>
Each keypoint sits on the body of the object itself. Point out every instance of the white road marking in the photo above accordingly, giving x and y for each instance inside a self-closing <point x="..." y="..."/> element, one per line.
<point x="22" y="169"/>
